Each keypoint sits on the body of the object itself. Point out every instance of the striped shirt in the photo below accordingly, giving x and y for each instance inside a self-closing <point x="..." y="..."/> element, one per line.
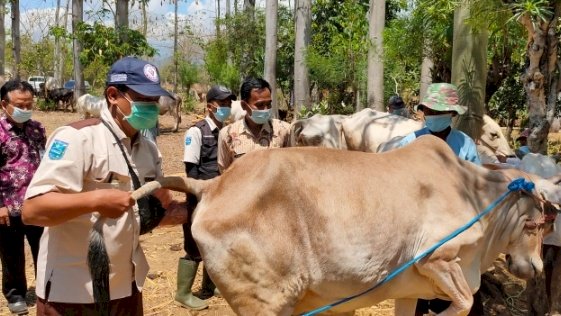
<point x="236" y="139"/>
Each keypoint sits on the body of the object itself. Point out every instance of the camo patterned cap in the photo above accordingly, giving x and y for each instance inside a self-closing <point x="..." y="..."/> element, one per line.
<point x="443" y="97"/>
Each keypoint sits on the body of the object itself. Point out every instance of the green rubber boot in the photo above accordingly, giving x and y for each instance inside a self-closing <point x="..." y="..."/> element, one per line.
<point x="186" y="271"/>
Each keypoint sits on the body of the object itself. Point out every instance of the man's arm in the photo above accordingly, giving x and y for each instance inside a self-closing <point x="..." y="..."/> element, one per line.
<point x="54" y="208"/>
<point x="224" y="158"/>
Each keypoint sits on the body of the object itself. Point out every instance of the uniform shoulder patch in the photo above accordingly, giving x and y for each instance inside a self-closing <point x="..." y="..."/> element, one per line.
<point x="83" y="123"/>
<point x="58" y="148"/>
<point x="188" y="140"/>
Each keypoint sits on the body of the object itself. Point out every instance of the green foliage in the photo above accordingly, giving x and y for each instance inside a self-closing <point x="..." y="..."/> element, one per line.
<point x="189" y="104"/>
<point x="100" y="42"/>
<point x="339" y="50"/>
<point x="44" y="105"/>
<point x="218" y="67"/>
<point x="509" y="101"/>
<point x="317" y="108"/>
<point x="188" y="73"/>
<point x="536" y="9"/>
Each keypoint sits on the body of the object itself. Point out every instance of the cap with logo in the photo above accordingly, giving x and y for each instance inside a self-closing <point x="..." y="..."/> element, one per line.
<point x="219" y="93"/>
<point x="138" y="75"/>
<point x="442" y="97"/>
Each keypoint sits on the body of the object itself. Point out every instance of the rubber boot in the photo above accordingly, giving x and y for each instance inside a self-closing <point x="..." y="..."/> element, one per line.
<point x="208" y="289"/>
<point x="186" y="271"/>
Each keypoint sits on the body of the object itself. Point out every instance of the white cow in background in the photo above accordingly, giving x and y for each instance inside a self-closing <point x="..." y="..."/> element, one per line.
<point x="237" y="112"/>
<point x="90" y="106"/>
<point x="375" y="131"/>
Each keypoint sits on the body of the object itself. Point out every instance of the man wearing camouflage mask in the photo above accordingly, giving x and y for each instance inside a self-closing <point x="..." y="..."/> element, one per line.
<point x="439" y="106"/>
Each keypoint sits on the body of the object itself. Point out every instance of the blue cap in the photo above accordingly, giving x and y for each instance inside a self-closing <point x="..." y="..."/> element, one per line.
<point x="138" y="75"/>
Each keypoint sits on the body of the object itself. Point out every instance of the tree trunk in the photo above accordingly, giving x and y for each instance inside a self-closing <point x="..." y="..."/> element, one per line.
<point x="228" y="8"/>
<point x="57" y="61"/>
<point x="144" y="18"/>
<point x="302" y="35"/>
<point x="2" y="37"/>
<point x="469" y="70"/>
<point x="175" y="57"/>
<point x="16" y="44"/>
<point x="426" y="76"/>
<point x="541" y="76"/>
<point x="122" y="18"/>
<point x="375" y="55"/>
<point x="77" y="18"/>
<point x="217" y="19"/>
<point x="271" y="50"/>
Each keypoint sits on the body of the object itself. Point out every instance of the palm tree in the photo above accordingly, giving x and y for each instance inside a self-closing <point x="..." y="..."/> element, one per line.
<point x="375" y="55"/>
<point x="301" y="76"/>
<point x="271" y="50"/>
<point x="16" y="49"/>
<point x="77" y="18"/>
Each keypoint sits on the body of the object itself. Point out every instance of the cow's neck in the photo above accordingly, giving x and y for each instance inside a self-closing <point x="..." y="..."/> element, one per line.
<point x="502" y="223"/>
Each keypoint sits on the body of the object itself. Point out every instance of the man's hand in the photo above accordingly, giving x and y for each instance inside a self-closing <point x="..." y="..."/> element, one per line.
<point x="4" y="216"/>
<point x="113" y="203"/>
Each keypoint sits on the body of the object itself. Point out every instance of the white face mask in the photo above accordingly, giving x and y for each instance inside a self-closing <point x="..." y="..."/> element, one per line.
<point x="19" y="115"/>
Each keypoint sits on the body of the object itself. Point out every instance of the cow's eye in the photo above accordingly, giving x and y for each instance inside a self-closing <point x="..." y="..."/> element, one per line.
<point x="494" y="135"/>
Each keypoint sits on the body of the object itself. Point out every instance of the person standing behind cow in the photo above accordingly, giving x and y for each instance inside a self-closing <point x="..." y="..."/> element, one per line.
<point x="439" y="106"/>
<point x="200" y="158"/>
<point x="397" y="106"/>
<point x="257" y="130"/>
<point x="22" y="144"/>
<point x="87" y="175"/>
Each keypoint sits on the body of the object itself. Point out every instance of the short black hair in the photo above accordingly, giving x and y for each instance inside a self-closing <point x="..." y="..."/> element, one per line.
<point x="13" y="85"/>
<point x="251" y="83"/>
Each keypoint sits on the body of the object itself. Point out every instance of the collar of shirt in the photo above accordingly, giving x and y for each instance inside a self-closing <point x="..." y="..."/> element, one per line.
<point x="107" y="117"/>
<point x="29" y="128"/>
<point x="5" y="123"/>
<point x="266" y="129"/>
<point x="211" y="123"/>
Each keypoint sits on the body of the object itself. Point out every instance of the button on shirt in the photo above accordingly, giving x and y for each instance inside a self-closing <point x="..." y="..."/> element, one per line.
<point x="236" y="139"/>
<point x="86" y="159"/>
<point x="462" y="145"/>
<point x="20" y="153"/>
<point x="193" y="142"/>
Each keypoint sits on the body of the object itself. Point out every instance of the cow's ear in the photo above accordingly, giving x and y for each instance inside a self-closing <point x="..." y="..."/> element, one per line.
<point x="556" y="179"/>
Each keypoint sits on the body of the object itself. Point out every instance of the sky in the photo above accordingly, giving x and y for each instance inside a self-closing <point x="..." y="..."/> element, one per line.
<point x="38" y="15"/>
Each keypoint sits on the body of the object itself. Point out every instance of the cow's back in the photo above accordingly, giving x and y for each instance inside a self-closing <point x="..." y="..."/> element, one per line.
<point x="367" y="129"/>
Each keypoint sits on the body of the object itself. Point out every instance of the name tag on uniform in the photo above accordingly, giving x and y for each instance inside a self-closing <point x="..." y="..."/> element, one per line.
<point x="58" y="148"/>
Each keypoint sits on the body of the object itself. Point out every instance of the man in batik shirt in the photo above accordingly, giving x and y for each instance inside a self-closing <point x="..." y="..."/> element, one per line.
<point x="22" y="144"/>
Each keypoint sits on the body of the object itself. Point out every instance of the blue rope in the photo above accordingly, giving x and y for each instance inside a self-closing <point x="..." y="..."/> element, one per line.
<point x="519" y="184"/>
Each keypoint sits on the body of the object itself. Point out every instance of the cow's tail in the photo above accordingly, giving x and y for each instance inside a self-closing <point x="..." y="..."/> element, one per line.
<point x="175" y="183"/>
<point x="98" y="264"/>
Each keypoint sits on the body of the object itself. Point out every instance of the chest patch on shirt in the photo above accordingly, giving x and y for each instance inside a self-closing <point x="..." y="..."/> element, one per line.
<point x="188" y="140"/>
<point x="58" y="148"/>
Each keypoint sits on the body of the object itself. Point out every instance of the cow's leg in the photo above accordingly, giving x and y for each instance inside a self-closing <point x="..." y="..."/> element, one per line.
<point x="405" y="306"/>
<point x="449" y="278"/>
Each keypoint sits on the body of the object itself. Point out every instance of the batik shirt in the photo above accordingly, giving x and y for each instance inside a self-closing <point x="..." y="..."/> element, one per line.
<point x="21" y="150"/>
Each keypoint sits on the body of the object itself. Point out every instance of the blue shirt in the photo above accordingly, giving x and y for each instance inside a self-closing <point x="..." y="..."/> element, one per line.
<point x="462" y="145"/>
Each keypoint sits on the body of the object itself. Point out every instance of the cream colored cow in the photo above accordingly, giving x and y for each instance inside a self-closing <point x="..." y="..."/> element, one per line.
<point x="284" y="231"/>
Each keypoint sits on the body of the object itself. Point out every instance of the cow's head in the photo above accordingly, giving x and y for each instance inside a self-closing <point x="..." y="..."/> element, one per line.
<point x="493" y="138"/>
<point x="320" y="131"/>
<point x="534" y="219"/>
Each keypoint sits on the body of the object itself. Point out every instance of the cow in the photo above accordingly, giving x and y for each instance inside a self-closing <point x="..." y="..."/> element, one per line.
<point x="374" y="131"/>
<point x="295" y="241"/>
<point x="61" y="96"/>
<point x="237" y="112"/>
<point x="173" y="107"/>
<point x="320" y="131"/>
<point x="88" y="106"/>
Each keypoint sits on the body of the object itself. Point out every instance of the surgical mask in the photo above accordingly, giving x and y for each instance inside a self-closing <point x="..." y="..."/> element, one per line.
<point x="222" y="113"/>
<point x="438" y="123"/>
<point x="19" y="115"/>
<point x="144" y="115"/>
<point x="260" y="117"/>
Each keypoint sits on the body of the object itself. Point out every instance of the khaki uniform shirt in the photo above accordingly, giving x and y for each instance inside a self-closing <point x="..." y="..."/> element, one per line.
<point x="236" y="139"/>
<point x="85" y="159"/>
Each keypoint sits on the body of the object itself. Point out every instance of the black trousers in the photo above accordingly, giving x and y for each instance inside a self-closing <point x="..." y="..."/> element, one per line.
<point x="12" y="255"/>
<point x="189" y="244"/>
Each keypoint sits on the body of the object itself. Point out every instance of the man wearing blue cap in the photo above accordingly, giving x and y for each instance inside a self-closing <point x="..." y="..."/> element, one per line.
<point x="86" y="176"/>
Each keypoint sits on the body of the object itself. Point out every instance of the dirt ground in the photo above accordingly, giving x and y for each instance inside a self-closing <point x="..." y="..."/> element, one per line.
<point x="164" y="246"/>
